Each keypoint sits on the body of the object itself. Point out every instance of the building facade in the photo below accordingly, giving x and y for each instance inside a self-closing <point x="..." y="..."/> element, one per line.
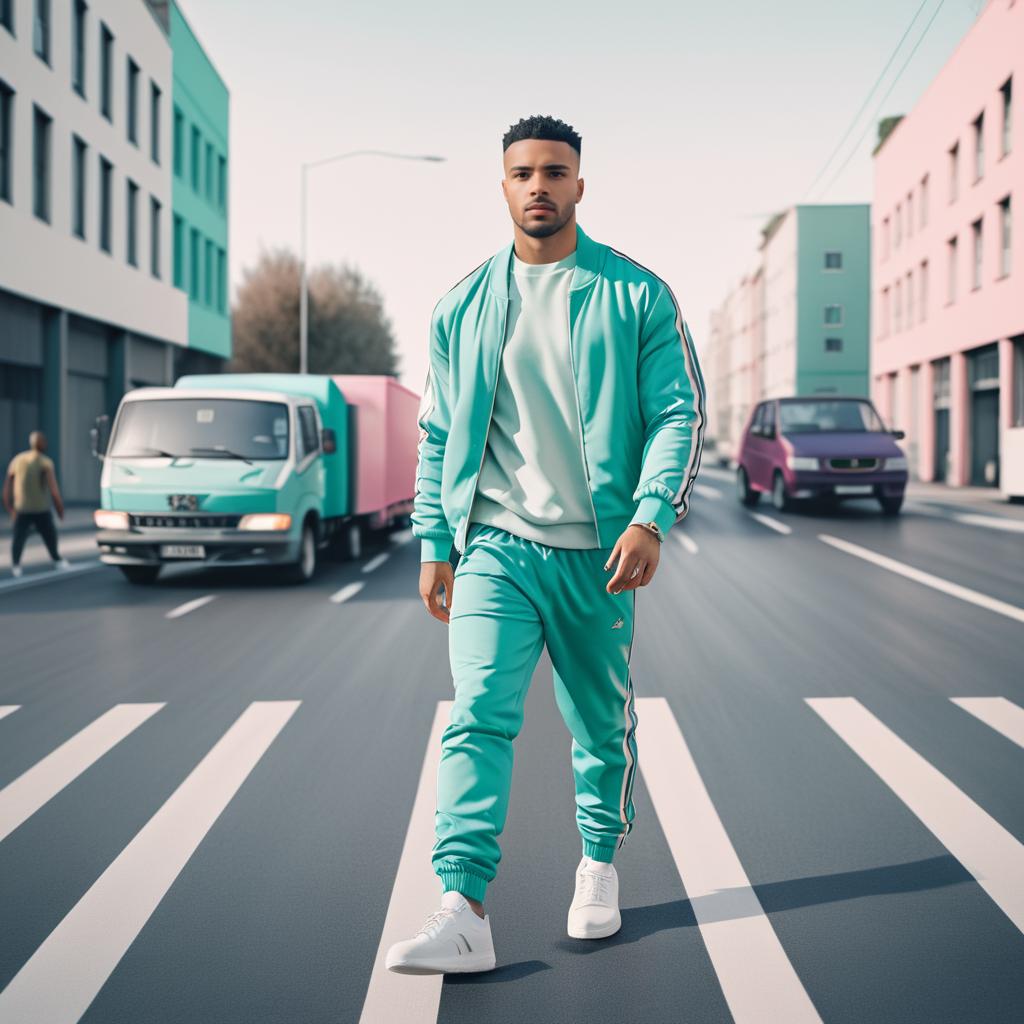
<point x="948" y="334"/>
<point x="798" y="322"/>
<point x="89" y="301"/>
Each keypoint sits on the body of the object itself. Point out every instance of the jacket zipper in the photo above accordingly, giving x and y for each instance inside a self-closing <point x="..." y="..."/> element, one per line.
<point x="579" y="415"/>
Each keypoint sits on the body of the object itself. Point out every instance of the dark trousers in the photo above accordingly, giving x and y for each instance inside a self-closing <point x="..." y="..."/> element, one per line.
<point x="23" y="523"/>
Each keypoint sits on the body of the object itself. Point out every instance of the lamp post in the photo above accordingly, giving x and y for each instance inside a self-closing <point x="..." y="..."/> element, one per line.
<point x="304" y="298"/>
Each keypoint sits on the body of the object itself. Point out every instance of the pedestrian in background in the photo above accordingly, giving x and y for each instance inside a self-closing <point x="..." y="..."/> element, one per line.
<point x="29" y="485"/>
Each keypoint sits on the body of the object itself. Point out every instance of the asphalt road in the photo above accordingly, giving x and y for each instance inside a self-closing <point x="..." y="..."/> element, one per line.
<point x="217" y="810"/>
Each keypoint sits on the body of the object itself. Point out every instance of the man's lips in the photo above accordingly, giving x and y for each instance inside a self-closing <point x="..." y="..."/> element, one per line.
<point x="540" y="209"/>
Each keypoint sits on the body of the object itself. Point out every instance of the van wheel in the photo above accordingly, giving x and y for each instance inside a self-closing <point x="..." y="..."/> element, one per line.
<point x="140" y="573"/>
<point x="747" y="495"/>
<point x="890" y="505"/>
<point x="303" y="570"/>
<point x="780" y="497"/>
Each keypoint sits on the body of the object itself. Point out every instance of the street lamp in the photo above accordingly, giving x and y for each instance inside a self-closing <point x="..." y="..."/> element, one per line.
<point x="304" y="300"/>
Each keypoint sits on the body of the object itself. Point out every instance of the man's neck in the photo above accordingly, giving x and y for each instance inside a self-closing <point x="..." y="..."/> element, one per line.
<point x="546" y="250"/>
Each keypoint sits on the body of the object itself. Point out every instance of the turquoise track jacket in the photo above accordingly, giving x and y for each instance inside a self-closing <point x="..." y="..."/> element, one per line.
<point x="639" y="390"/>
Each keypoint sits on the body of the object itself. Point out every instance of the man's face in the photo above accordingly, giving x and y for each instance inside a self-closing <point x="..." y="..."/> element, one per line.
<point x="541" y="185"/>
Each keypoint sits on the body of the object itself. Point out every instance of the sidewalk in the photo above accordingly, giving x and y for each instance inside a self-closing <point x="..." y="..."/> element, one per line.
<point x="984" y="500"/>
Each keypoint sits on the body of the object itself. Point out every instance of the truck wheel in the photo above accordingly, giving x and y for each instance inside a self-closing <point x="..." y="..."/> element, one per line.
<point x="352" y="545"/>
<point x="303" y="570"/>
<point x="140" y="573"/>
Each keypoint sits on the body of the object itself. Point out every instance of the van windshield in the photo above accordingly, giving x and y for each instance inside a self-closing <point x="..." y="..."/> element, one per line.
<point x="828" y="416"/>
<point x="202" y="428"/>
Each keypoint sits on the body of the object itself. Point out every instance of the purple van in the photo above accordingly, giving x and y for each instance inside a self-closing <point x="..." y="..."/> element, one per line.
<point x="825" y="448"/>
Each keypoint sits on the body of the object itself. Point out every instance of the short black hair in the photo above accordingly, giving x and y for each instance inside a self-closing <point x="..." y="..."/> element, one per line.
<point x="540" y="126"/>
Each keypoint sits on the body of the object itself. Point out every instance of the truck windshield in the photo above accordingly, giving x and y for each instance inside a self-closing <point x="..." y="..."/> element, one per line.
<point x="202" y="428"/>
<point x="828" y="416"/>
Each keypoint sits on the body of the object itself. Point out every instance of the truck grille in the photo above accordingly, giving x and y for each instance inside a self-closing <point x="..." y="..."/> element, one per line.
<point x="185" y="522"/>
<point x="853" y="464"/>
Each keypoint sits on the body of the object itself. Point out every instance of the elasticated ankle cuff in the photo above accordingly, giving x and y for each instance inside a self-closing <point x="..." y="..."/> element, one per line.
<point x="597" y="852"/>
<point x="458" y="879"/>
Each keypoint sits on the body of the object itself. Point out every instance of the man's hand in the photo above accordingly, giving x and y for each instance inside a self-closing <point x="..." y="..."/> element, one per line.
<point x="638" y="551"/>
<point x="435" y="577"/>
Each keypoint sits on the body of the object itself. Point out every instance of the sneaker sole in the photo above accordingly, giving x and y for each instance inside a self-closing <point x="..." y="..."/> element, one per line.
<point x="465" y="965"/>
<point x="603" y="933"/>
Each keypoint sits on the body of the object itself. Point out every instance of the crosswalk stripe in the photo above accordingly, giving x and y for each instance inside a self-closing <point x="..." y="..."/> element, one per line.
<point x="986" y="849"/>
<point x="992" y="604"/>
<point x="416" y="893"/>
<point x="757" y="978"/>
<point x="1001" y="714"/>
<point x="8" y="709"/>
<point x="63" y="976"/>
<point x="20" y="799"/>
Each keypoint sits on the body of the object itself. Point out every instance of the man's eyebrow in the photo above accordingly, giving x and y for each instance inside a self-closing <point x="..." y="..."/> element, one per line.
<point x="550" y="167"/>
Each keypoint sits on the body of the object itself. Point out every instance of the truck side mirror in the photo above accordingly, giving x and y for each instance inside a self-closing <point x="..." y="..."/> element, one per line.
<point x="100" y="436"/>
<point x="329" y="441"/>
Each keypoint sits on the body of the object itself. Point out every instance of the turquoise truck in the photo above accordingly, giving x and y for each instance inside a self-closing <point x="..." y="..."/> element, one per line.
<point x="254" y="469"/>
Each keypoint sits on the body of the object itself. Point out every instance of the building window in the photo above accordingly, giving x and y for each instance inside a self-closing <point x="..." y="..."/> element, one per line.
<point x="131" y="222"/>
<point x="7" y="15"/>
<point x="154" y="122"/>
<point x="6" y="120"/>
<point x="106" y="181"/>
<point x="833" y="315"/>
<point x="884" y="328"/>
<point x="179" y="140"/>
<point x="41" y="30"/>
<point x="1007" y="132"/>
<point x="193" y="264"/>
<point x="924" y="200"/>
<point x="195" y="158"/>
<point x="951" y="283"/>
<point x="977" y="242"/>
<point x="41" y="127"/>
<point x="954" y="171"/>
<point x="106" y="72"/>
<point x="924" y="291"/>
<point x="833" y="344"/>
<point x="833" y="261"/>
<point x="179" y="252"/>
<point x="132" y="100"/>
<point x="910" y="299"/>
<point x="897" y="230"/>
<point x="154" y="236"/>
<point x="979" y="146"/>
<point x="208" y="274"/>
<point x="222" y="183"/>
<point x="885" y="238"/>
<point x="209" y="171"/>
<point x="79" y="154"/>
<point x="78" y="47"/>
<point x="1018" y="382"/>
<point x="222" y="281"/>
<point x="1004" y="233"/>
<point x="897" y="307"/>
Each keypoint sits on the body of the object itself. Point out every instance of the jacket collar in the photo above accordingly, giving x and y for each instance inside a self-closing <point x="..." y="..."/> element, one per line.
<point x="590" y="256"/>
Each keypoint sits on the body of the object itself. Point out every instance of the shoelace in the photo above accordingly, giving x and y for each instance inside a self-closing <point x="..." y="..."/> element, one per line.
<point x="593" y="885"/>
<point x="436" y="918"/>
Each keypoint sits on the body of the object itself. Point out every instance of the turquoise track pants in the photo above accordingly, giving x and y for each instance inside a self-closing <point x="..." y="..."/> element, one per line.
<point x="511" y="596"/>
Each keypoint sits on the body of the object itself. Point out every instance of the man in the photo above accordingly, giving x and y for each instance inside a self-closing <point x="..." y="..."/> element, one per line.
<point x="29" y="485"/>
<point x="561" y="429"/>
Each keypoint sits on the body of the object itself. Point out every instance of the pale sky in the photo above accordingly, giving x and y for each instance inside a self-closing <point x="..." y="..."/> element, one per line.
<point x="698" y="121"/>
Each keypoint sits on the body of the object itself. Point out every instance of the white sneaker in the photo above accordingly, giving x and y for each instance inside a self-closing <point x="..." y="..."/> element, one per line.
<point x="452" y="941"/>
<point x="62" y="563"/>
<point x="594" y="913"/>
<point x="17" y="571"/>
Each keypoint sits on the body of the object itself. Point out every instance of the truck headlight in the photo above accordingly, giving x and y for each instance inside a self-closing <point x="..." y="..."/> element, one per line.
<point x="107" y="520"/>
<point x="896" y="462"/>
<point x="801" y="462"/>
<point x="266" y="521"/>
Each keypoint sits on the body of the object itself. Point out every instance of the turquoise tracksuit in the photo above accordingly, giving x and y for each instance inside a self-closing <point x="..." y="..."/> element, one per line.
<point x="641" y="405"/>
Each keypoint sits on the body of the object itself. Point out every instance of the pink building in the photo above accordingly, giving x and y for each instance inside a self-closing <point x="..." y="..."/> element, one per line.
<point x="947" y="346"/>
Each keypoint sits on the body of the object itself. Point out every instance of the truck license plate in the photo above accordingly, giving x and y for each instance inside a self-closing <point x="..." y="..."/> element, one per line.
<point x="182" y="551"/>
<point x="854" y="488"/>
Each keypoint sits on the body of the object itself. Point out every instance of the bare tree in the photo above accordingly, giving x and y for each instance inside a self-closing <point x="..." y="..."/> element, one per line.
<point x="348" y="329"/>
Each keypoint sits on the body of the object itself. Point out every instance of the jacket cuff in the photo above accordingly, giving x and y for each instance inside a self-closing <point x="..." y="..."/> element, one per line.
<point x="435" y="549"/>
<point x="652" y="506"/>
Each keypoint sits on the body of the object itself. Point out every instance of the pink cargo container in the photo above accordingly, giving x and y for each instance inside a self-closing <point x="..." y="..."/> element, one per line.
<point x="385" y="445"/>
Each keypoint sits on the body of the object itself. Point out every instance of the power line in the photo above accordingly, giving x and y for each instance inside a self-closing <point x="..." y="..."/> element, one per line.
<point x="881" y="102"/>
<point x="867" y="99"/>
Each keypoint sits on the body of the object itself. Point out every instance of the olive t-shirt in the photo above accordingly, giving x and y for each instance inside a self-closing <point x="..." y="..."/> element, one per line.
<point x="31" y="491"/>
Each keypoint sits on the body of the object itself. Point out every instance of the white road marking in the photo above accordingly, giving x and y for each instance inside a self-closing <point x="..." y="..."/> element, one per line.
<point x="986" y="849"/>
<point x="992" y="604"/>
<point x="50" y="575"/>
<point x="374" y="562"/>
<point x="20" y="799"/>
<point x="412" y="999"/>
<point x="990" y="522"/>
<point x="758" y="981"/>
<point x="8" y="709"/>
<point x="65" y="973"/>
<point x="347" y="591"/>
<point x="688" y="543"/>
<point x="707" y="492"/>
<point x="772" y="524"/>
<point x="997" y="712"/>
<point x="190" y="606"/>
<point x="718" y="473"/>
